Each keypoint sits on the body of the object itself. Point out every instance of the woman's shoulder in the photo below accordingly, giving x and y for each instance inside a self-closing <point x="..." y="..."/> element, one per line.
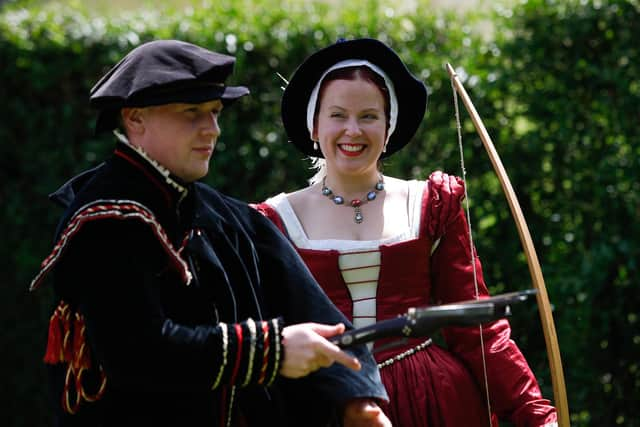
<point x="392" y="183"/>
<point x="280" y="198"/>
<point x="402" y="188"/>
<point x="439" y="185"/>
<point x="301" y="195"/>
<point x="280" y="207"/>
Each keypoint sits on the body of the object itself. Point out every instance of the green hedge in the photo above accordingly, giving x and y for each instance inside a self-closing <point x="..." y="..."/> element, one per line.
<point x="572" y="75"/>
<point x="557" y="86"/>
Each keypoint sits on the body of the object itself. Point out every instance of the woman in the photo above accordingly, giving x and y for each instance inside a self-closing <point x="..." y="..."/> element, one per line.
<point x="379" y="245"/>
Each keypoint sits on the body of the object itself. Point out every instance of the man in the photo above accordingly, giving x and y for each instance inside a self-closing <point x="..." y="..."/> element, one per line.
<point x="180" y="306"/>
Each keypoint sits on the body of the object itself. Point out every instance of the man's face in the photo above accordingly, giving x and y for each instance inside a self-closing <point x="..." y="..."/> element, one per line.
<point x="181" y="137"/>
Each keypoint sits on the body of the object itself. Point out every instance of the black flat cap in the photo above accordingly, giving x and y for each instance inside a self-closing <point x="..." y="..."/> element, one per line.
<point x="163" y="72"/>
<point x="411" y="93"/>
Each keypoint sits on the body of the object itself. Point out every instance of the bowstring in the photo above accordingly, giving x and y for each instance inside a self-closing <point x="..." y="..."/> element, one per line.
<point x="473" y="254"/>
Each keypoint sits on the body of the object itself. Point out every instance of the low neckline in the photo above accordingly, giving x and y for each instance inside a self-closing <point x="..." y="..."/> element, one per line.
<point x="298" y="235"/>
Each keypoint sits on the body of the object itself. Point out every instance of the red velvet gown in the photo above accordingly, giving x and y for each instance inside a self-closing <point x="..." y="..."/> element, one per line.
<point x="434" y="386"/>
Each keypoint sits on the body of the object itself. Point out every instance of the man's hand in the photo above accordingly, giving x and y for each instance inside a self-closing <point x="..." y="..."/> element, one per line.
<point x="306" y="349"/>
<point x="364" y="413"/>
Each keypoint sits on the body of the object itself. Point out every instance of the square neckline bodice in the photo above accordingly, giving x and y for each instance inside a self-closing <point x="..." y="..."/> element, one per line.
<point x="298" y="236"/>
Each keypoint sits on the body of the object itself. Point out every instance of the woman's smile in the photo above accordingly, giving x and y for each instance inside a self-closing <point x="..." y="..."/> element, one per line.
<point x="351" y="150"/>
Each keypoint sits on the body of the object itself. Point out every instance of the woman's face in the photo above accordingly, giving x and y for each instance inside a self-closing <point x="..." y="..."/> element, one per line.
<point x="351" y="125"/>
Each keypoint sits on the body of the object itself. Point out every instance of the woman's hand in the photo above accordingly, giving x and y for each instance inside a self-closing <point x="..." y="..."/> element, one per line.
<point x="306" y="349"/>
<point x="364" y="413"/>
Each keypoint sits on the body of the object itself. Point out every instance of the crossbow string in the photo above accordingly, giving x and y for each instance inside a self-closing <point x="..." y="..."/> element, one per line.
<point x="544" y="307"/>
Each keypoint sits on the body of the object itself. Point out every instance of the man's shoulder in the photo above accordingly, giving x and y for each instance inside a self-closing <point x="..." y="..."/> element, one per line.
<point x="66" y="193"/>
<point x="235" y="211"/>
<point x="100" y="193"/>
<point x="216" y="199"/>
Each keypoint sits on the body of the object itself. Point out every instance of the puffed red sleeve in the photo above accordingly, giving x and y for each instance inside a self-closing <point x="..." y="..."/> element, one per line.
<point x="514" y="391"/>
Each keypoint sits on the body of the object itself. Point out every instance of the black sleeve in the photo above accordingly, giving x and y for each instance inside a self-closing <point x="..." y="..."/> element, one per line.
<point x="109" y="272"/>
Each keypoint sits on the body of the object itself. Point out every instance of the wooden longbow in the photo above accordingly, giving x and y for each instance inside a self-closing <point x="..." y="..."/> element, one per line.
<point x="544" y="307"/>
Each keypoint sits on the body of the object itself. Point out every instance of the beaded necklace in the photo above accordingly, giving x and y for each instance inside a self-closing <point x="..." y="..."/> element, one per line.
<point x="354" y="203"/>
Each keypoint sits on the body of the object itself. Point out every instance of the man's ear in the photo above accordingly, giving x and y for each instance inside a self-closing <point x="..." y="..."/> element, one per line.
<point x="132" y="120"/>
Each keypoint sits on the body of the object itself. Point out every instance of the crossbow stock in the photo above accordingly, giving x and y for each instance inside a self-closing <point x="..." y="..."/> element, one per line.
<point x="424" y="321"/>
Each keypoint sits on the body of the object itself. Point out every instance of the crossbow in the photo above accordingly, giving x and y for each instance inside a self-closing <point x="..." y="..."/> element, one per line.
<point x="424" y="321"/>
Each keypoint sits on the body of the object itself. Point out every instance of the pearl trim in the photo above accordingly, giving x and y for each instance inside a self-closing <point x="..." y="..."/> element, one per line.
<point x="405" y="354"/>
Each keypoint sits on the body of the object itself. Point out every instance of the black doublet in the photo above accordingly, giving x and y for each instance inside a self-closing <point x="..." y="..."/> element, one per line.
<point x="156" y="266"/>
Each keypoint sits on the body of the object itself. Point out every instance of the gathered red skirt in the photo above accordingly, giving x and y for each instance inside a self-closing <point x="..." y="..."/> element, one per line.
<point x="432" y="388"/>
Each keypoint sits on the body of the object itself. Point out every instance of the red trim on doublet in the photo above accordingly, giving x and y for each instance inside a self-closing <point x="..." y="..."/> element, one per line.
<point x="110" y="209"/>
<point x="265" y="352"/>
<point x="236" y="367"/>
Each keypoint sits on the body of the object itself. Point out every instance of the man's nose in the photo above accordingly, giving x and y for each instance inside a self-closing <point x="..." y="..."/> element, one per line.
<point x="212" y="127"/>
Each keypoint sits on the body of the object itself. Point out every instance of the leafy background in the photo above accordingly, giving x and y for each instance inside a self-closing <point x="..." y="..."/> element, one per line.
<point x="558" y="87"/>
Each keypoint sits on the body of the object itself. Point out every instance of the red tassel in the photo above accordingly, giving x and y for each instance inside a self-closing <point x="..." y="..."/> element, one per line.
<point x="67" y="345"/>
<point x="53" y="354"/>
<point x="58" y="328"/>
